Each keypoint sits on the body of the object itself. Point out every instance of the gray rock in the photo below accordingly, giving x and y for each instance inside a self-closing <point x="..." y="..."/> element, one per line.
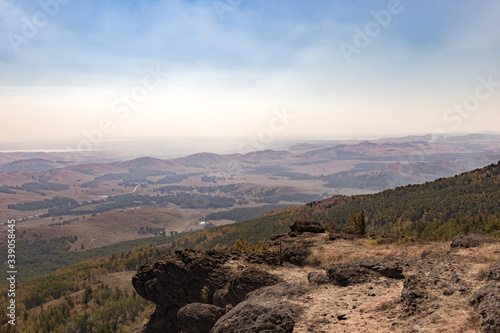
<point x="472" y="240"/>
<point x="363" y="270"/>
<point x="258" y="314"/>
<point x="388" y="267"/>
<point x="296" y="254"/>
<point x="317" y="279"/>
<point x="347" y="274"/>
<point x="307" y="226"/>
<point x="264" y="310"/>
<point x="248" y="281"/>
<point x="387" y="239"/>
<point x="198" y="317"/>
<point x="178" y="280"/>
<point x="264" y="258"/>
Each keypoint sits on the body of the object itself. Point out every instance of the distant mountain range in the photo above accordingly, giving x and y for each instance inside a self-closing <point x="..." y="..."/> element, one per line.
<point x="377" y="164"/>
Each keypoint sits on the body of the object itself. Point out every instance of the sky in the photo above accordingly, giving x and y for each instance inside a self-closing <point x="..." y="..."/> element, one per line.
<point x="90" y="72"/>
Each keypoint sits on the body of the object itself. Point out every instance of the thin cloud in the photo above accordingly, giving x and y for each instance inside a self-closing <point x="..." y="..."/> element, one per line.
<point x="261" y="54"/>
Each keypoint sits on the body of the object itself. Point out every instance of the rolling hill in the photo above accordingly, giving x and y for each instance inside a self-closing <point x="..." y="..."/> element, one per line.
<point x="436" y="210"/>
<point x="288" y="174"/>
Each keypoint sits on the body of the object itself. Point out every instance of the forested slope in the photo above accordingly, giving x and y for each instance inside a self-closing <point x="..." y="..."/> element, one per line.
<point x="436" y="210"/>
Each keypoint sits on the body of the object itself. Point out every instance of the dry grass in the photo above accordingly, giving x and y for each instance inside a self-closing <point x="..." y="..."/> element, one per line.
<point x="384" y="312"/>
<point x="121" y="280"/>
<point x="490" y="253"/>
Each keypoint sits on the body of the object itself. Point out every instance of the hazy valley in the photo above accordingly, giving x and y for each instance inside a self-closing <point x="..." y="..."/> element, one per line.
<point x="105" y="203"/>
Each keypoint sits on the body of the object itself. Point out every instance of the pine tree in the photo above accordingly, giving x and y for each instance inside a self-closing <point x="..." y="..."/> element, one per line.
<point x="357" y="222"/>
<point x="361" y="224"/>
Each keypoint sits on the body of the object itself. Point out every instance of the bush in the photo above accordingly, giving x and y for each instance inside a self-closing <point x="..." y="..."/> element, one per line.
<point x="243" y="246"/>
<point x="205" y="293"/>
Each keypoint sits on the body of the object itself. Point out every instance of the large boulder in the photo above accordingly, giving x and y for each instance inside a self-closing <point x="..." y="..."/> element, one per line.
<point x="472" y="240"/>
<point x="258" y="315"/>
<point x="198" y="317"/>
<point x="388" y="267"/>
<point x="347" y="274"/>
<point x="317" y="279"/>
<point x="248" y="281"/>
<point x="363" y="270"/>
<point x="264" y="310"/>
<point x="295" y="254"/>
<point x="178" y="280"/>
<point x="303" y="225"/>
<point x="292" y="248"/>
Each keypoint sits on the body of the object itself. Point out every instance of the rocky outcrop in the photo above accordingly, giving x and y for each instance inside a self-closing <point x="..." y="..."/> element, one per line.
<point x="363" y="270"/>
<point x="175" y="284"/>
<point x="177" y="281"/>
<point x="472" y="240"/>
<point x="347" y="274"/>
<point x="249" y="292"/>
<point x="264" y="258"/>
<point x="486" y="300"/>
<point x="199" y="318"/>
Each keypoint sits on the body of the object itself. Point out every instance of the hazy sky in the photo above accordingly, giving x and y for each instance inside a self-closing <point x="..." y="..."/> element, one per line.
<point x="123" y="69"/>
